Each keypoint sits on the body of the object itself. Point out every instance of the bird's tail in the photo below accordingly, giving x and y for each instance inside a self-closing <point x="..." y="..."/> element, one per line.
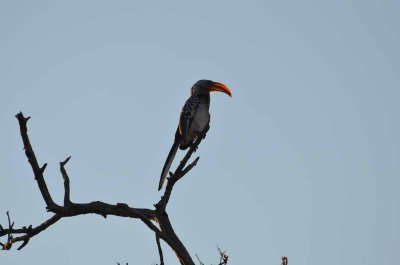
<point x="168" y="163"/>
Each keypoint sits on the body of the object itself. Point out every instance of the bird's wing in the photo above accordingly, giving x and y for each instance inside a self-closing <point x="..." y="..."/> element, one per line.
<point x="187" y="114"/>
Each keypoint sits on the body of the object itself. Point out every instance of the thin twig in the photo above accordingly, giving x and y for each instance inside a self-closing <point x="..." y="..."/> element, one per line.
<point x="223" y="259"/>
<point x="67" y="200"/>
<point x="201" y="263"/>
<point x="9" y="243"/>
<point x="160" y="250"/>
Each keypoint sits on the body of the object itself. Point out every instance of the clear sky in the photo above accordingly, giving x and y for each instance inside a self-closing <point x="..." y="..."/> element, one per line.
<point x="302" y="161"/>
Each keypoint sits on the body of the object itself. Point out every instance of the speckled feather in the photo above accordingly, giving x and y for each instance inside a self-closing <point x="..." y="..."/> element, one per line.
<point x="189" y="110"/>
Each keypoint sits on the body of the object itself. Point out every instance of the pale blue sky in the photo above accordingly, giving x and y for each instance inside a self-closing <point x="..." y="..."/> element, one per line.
<point x="302" y="161"/>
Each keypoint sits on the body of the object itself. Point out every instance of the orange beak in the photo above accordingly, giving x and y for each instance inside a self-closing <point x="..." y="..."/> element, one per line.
<point x="220" y="88"/>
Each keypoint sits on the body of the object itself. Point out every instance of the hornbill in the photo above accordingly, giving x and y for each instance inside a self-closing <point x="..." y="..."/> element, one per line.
<point x="194" y="119"/>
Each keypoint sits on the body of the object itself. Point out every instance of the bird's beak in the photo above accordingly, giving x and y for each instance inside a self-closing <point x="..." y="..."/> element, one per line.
<point x="220" y="88"/>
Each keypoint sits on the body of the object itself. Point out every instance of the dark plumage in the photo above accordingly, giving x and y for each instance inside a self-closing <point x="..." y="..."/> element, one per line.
<point x="194" y="119"/>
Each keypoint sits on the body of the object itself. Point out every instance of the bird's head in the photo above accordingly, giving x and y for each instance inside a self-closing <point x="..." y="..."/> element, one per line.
<point x="207" y="86"/>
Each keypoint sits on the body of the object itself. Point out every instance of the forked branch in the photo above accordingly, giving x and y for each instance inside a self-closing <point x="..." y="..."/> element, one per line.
<point x="150" y="217"/>
<point x="163" y="231"/>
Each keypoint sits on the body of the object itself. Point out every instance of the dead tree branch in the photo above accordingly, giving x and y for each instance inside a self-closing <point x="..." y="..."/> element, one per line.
<point x="223" y="257"/>
<point x="160" y="250"/>
<point x="163" y="231"/>
<point x="28" y="232"/>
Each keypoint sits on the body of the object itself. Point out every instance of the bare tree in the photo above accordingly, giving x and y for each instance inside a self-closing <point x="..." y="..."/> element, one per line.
<point x="156" y="219"/>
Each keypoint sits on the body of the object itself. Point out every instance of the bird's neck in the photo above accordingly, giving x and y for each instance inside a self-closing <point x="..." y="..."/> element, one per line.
<point x="204" y="99"/>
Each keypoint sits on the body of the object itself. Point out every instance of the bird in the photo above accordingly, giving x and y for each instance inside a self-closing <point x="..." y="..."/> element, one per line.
<point x="194" y="119"/>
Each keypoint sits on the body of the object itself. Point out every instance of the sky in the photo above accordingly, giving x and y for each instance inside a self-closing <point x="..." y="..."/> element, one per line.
<point x="302" y="161"/>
